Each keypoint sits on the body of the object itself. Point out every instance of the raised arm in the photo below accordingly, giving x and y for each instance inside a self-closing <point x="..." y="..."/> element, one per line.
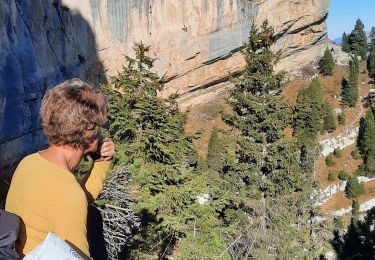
<point x="94" y="182"/>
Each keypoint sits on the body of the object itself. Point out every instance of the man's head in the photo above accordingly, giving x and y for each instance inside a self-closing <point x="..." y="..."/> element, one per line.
<point x="72" y="114"/>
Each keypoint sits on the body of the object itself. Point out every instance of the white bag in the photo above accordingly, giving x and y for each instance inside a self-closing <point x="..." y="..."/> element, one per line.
<point x="55" y="248"/>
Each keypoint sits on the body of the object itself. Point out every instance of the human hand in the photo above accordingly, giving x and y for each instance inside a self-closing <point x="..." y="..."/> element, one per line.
<point x="106" y="150"/>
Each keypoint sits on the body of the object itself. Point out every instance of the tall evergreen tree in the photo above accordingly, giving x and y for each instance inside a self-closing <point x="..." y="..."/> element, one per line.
<point x="151" y="141"/>
<point x="345" y="43"/>
<point x="329" y="121"/>
<point x="308" y="112"/>
<point x="356" y="65"/>
<point x="350" y="87"/>
<point x="371" y="59"/>
<point x="326" y="63"/>
<point x="267" y="164"/>
<point x="366" y="142"/>
<point x="217" y="155"/>
<point x="358" y="40"/>
<point x="353" y="188"/>
<point x="372" y="34"/>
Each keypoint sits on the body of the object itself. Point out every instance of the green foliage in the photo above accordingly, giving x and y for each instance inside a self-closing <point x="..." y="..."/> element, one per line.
<point x="366" y="142"/>
<point x="341" y="118"/>
<point x="358" y="242"/>
<point x="337" y="152"/>
<point x="350" y="87"/>
<point x="329" y="122"/>
<point x="355" y="209"/>
<point x="217" y="155"/>
<point x="150" y="139"/>
<point x="330" y="160"/>
<point x="343" y="175"/>
<point x="269" y="177"/>
<point x="356" y="65"/>
<point x="372" y="34"/>
<point x="339" y="222"/>
<point x="345" y="43"/>
<point x="355" y="154"/>
<point x="326" y="63"/>
<point x="358" y="40"/>
<point x="201" y="165"/>
<point x="332" y="176"/>
<point x="371" y="57"/>
<point x="353" y="188"/>
<point x="308" y="113"/>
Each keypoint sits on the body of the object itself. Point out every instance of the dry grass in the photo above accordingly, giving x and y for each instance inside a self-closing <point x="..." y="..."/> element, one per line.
<point x="205" y="117"/>
<point x="339" y="201"/>
<point x="345" y="162"/>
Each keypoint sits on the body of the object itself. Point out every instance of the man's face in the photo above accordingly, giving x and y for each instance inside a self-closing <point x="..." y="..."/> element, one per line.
<point x="93" y="147"/>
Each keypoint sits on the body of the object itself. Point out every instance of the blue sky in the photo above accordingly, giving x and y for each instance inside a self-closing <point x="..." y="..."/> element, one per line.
<point x="344" y="13"/>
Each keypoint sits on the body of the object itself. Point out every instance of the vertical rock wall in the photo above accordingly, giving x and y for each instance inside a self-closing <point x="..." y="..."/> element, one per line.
<point x="196" y="42"/>
<point x="41" y="44"/>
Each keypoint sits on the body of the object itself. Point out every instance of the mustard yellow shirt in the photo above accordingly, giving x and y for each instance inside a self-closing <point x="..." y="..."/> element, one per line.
<point x="49" y="199"/>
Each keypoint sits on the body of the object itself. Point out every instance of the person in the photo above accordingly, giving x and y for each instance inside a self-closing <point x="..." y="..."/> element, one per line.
<point x="43" y="191"/>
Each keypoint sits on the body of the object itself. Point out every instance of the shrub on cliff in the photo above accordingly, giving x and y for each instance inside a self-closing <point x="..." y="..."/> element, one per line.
<point x="341" y="118"/>
<point x="330" y="160"/>
<point x="329" y="122"/>
<point x="343" y="175"/>
<point x="349" y="91"/>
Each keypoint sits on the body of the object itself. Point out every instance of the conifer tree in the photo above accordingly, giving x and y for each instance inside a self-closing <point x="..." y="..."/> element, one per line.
<point x="151" y="141"/>
<point x="341" y="118"/>
<point x="329" y="121"/>
<point x="372" y="34"/>
<point x="356" y="65"/>
<point x="371" y="59"/>
<point x="345" y="43"/>
<point x="308" y="112"/>
<point x="270" y="174"/>
<point x="366" y="142"/>
<point x="353" y="188"/>
<point x="216" y="152"/>
<point x="326" y="63"/>
<point x="358" y="40"/>
<point x="355" y="209"/>
<point x="350" y="87"/>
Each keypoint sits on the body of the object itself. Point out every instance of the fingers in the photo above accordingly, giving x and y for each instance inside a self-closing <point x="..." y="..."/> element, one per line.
<point x="107" y="149"/>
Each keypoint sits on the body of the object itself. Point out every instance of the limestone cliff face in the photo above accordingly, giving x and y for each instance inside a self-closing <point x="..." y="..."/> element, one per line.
<point x="43" y="42"/>
<point x="197" y="41"/>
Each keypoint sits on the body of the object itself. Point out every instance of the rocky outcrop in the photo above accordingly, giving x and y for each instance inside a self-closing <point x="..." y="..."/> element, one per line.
<point x="40" y="46"/>
<point x="197" y="41"/>
<point x="322" y="196"/>
<point x="197" y="44"/>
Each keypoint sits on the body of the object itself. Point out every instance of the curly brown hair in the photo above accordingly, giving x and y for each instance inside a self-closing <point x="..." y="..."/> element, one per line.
<point x="72" y="113"/>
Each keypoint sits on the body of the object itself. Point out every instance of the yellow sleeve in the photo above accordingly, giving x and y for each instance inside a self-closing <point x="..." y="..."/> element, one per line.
<point x="68" y="218"/>
<point x="95" y="181"/>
